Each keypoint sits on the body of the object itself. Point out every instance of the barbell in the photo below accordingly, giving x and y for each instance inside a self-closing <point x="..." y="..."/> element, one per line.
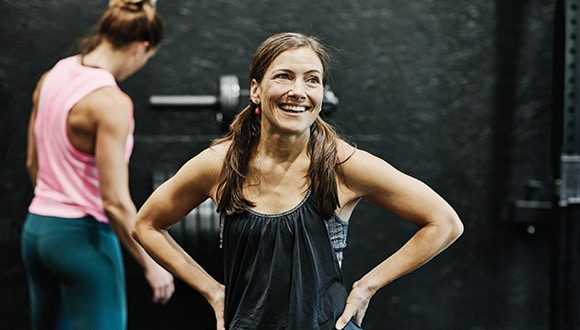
<point x="229" y="100"/>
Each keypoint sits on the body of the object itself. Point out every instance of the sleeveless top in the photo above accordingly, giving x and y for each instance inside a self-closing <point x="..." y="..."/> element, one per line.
<point x="281" y="271"/>
<point x="67" y="184"/>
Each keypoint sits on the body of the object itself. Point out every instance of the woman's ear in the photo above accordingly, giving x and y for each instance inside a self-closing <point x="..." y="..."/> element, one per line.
<point x="140" y="47"/>
<point x="147" y="45"/>
<point x="254" y="90"/>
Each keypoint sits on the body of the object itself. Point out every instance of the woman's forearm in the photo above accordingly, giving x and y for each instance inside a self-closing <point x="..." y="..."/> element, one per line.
<point x="424" y="245"/>
<point x="163" y="249"/>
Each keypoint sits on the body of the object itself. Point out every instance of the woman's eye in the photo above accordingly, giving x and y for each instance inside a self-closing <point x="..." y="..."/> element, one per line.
<point x="283" y="76"/>
<point x="313" y="80"/>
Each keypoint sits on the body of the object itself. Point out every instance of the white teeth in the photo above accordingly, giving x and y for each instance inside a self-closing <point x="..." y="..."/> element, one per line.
<point x="293" y="108"/>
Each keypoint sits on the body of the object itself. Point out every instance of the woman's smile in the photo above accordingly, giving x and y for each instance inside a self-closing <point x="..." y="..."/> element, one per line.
<point x="293" y="108"/>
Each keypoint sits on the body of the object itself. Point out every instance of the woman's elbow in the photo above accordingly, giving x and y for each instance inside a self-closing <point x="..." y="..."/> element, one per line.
<point x="454" y="227"/>
<point x="138" y="230"/>
<point x="143" y="229"/>
<point x="115" y="211"/>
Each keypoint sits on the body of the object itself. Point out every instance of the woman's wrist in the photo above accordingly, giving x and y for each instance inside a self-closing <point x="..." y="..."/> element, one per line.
<point x="367" y="286"/>
<point x="215" y="294"/>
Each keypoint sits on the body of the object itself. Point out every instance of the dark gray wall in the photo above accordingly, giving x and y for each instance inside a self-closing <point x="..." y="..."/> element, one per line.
<point x="456" y="93"/>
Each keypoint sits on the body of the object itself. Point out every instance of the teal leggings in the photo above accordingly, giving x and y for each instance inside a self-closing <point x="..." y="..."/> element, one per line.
<point x="75" y="274"/>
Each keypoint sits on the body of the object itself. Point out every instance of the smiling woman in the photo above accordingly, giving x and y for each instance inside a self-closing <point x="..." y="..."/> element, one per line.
<point x="285" y="185"/>
<point x="290" y="95"/>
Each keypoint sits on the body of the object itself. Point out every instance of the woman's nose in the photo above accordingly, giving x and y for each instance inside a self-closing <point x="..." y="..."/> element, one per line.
<point x="297" y="90"/>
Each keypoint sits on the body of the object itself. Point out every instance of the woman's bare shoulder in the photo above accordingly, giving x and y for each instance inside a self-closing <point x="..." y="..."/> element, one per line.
<point x="221" y="147"/>
<point x="209" y="161"/>
<point x="345" y="150"/>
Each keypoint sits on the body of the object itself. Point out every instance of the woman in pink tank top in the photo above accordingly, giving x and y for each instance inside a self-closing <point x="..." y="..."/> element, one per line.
<point x="80" y="138"/>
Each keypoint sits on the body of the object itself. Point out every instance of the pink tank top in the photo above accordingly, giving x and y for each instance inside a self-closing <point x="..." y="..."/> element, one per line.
<point x="67" y="184"/>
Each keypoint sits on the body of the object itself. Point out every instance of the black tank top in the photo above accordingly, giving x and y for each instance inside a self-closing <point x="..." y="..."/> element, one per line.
<point x="281" y="271"/>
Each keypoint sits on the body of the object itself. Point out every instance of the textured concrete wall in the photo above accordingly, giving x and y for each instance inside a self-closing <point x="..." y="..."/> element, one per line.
<point x="456" y="93"/>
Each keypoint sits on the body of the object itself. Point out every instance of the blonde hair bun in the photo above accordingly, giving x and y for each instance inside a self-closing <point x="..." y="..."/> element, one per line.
<point x="133" y="5"/>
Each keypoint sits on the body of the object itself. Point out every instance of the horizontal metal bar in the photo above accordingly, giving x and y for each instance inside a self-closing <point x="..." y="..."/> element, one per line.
<point x="184" y="100"/>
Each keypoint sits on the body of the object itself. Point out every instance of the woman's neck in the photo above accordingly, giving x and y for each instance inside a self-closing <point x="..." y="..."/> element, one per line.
<point x="283" y="147"/>
<point x="103" y="57"/>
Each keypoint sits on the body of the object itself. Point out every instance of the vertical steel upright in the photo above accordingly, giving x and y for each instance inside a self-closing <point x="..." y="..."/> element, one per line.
<point x="566" y="274"/>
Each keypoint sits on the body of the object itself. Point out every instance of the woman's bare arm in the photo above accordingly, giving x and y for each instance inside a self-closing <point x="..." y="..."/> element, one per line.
<point x="172" y="201"/>
<point x="411" y="200"/>
<point x="31" y="155"/>
<point x="110" y="111"/>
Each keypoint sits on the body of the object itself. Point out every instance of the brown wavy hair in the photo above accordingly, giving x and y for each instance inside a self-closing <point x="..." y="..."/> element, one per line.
<point x="244" y="134"/>
<point x="124" y="22"/>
